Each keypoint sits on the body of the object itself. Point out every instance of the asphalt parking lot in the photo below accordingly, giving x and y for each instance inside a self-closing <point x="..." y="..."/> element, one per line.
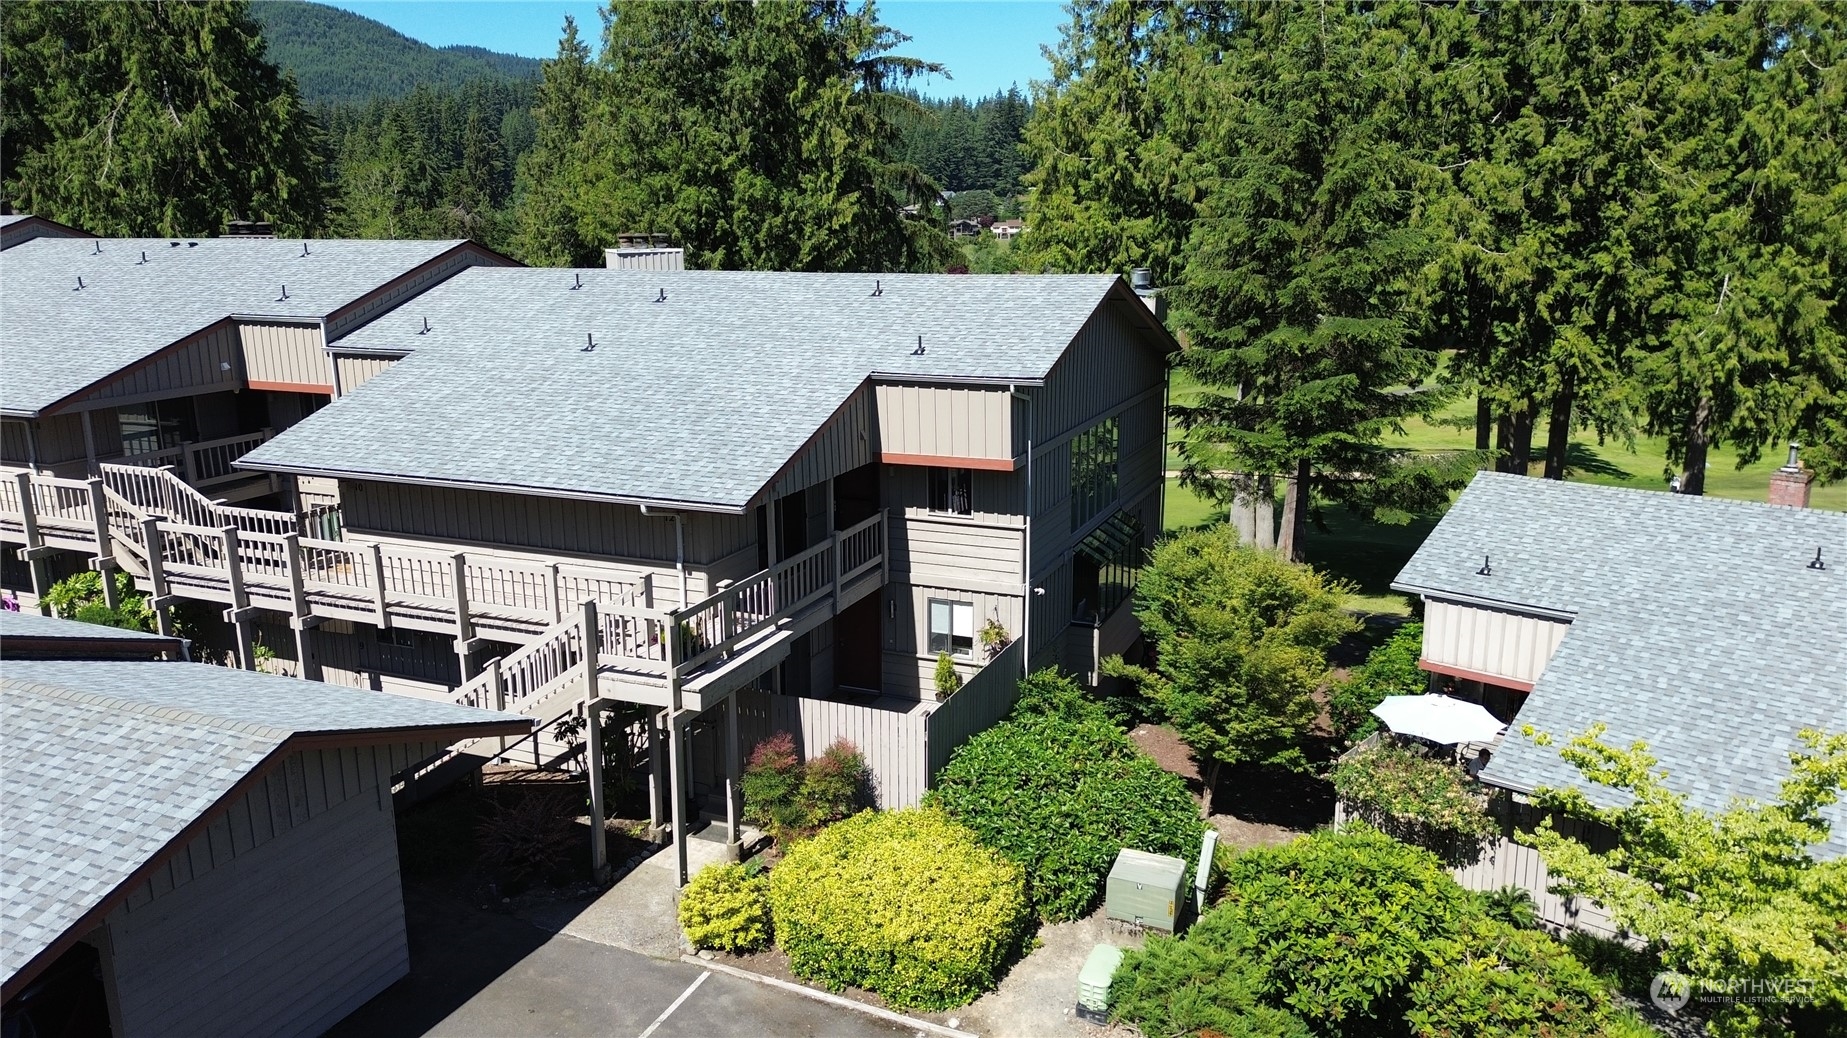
<point x="480" y="974"/>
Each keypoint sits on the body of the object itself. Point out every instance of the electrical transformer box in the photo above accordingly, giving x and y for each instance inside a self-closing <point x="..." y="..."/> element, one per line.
<point x="1093" y="982"/>
<point x="1145" y="889"/>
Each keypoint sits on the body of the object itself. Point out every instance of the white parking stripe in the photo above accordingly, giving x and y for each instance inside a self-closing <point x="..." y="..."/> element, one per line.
<point x="665" y="1013"/>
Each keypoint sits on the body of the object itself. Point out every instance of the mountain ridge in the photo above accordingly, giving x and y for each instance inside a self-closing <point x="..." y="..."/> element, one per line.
<point x="339" y="57"/>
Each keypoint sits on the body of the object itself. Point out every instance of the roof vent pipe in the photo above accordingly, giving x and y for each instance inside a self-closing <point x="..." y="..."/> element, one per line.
<point x="1141" y="279"/>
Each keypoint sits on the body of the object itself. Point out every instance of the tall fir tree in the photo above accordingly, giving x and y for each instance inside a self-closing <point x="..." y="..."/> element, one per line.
<point x="550" y="175"/>
<point x="152" y="117"/>
<point x="1297" y="288"/>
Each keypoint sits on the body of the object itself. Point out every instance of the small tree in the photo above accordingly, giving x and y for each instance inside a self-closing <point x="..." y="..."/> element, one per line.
<point x="1733" y="895"/>
<point x="1242" y="637"/>
<point x="80" y="597"/>
<point x="1389" y="670"/>
<point x="948" y="680"/>
<point x="772" y="785"/>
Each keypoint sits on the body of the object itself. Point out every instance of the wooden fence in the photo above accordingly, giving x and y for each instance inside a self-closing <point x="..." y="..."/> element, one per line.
<point x="904" y="743"/>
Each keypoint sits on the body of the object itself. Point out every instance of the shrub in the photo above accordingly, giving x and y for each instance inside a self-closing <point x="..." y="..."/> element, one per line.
<point x="772" y="786"/>
<point x="789" y="799"/>
<point x="1416" y="798"/>
<point x="1342" y="922"/>
<point x="1491" y="979"/>
<point x="948" y="680"/>
<point x="725" y="907"/>
<point x="80" y="597"/>
<point x="1198" y="985"/>
<point x="836" y="784"/>
<point x="1059" y="790"/>
<point x="524" y="839"/>
<point x="904" y="903"/>
<point x="1390" y="670"/>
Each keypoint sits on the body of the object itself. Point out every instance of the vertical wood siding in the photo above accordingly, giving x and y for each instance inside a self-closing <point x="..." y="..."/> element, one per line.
<point x="16" y="441"/>
<point x="996" y="498"/>
<point x="1110" y="362"/>
<point x="287" y="353"/>
<point x="982" y="702"/>
<point x="945" y="421"/>
<point x="210" y="360"/>
<point x="284" y="916"/>
<point x="1490" y="641"/>
<point x="957" y="553"/>
<point x="909" y="667"/>
<point x="525" y="521"/>
<point x="843" y="444"/>
<point x="354" y="370"/>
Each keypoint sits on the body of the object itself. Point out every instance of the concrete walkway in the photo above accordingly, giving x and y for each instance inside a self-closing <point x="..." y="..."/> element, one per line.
<point x="641" y="912"/>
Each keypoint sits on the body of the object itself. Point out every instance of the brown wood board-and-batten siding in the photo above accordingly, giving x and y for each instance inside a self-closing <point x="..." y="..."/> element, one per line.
<point x="290" y="901"/>
<point x="287" y="357"/>
<point x="354" y="370"/>
<point x="1109" y="363"/>
<point x="209" y="361"/>
<point x="1489" y="643"/>
<point x="925" y="421"/>
<point x="843" y="443"/>
<point x="528" y="522"/>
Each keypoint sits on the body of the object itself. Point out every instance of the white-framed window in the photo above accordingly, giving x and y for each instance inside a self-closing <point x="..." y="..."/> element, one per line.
<point x="952" y="627"/>
<point x="950" y="491"/>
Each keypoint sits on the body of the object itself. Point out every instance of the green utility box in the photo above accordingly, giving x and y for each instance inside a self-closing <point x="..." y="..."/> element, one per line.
<point x="1093" y="982"/>
<point x="1145" y="889"/>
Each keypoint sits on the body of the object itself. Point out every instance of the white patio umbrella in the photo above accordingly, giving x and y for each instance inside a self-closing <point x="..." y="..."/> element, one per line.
<point x="1438" y="718"/>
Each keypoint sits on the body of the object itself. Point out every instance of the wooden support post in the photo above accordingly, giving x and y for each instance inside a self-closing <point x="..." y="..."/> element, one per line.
<point x="677" y="791"/>
<point x="593" y="744"/>
<point x="838" y="569"/>
<point x="732" y="773"/>
<point x="378" y="586"/>
<point x="657" y="766"/>
<point x="104" y="560"/>
<point x="35" y="541"/>
<point x="157" y="575"/>
<point x="647" y="590"/>
<point x="239" y="613"/>
<point x="89" y="445"/>
<point x="552" y="603"/>
<point x="304" y="614"/>
<point x="187" y="470"/>
<point x="464" y="629"/>
<point x="497" y="695"/>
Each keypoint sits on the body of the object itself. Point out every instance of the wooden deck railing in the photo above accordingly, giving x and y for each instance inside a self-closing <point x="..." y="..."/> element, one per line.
<point x="206" y="463"/>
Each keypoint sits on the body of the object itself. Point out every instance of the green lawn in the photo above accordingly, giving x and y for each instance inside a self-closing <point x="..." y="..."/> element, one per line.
<point x="1369" y="555"/>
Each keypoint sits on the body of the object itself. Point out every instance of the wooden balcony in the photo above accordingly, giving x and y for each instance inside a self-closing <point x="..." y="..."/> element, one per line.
<point x="208" y="465"/>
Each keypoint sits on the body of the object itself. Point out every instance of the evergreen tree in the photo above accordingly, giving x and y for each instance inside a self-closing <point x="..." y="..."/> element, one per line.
<point x="1296" y="290"/>
<point x="547" y="184"/>
<point x="757" y="136"/>
<point x="152" y="118"/>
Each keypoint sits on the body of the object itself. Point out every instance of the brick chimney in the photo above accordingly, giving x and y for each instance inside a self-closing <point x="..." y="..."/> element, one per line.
<point x="1789" y="485"/>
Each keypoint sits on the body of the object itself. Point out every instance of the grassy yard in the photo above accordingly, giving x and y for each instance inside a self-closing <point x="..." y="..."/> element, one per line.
<point x="1368" y="555"/>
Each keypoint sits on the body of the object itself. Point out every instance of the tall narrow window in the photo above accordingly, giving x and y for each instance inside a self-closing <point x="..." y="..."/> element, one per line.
<point x="952" y="627"/>
<point x="1093" y="471"/>
<point x="949" y="491"/>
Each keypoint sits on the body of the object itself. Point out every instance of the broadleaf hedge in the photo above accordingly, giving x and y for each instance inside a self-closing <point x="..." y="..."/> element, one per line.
<point x="1059" y="789"/>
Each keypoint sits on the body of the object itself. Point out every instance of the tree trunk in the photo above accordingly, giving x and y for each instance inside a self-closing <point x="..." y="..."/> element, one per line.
<point x="1520" y="451"/>
<point x="1698" y="439"/>
<point x="1558" y="431"/>
<point x="1209" y="776"/>
<point x="1484" y="424"/>
<point x="1290" y="541"/>
<point x="1504" y="443"/>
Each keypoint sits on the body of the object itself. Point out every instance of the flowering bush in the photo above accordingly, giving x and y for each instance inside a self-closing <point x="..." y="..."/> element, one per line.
<point x="1416" y="798"/>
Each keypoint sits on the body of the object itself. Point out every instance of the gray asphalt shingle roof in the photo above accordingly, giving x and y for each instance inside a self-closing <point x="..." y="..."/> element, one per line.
<point x="37" y="625"/>
<point x="60" y="339"/>
<point x="1698" y="626"/>
<point x="103" y="764"/>
<point x="698" y="400"/>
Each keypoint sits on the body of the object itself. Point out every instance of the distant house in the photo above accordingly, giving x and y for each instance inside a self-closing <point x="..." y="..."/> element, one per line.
<point x="1714" y="630"/>
<point x="1006" y="229"/>
<point x="186" y="849"/>
<point x="19" y="228"/>
<point x="964" y="228"/>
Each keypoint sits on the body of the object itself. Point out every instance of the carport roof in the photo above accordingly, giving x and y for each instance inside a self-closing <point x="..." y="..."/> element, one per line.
<point x="61" y="339"/>
<point x="109" y="765"/>
<point x="1697" y="625"/>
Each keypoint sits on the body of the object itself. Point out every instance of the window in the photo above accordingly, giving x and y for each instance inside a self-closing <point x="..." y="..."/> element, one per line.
<point x="952" y="627"/>
<point x="155" y="425"/>
<point x="1093" y="471"/>
<point x="1107" y="565"/>
<point x="949" y="491"/>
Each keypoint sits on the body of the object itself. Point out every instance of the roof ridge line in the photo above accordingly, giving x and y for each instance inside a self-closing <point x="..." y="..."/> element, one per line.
<point x="175" y="714"/>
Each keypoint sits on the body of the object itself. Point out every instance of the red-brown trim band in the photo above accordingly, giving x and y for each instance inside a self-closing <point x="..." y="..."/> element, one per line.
<point x="945" y="461"/>
<point x="292" y="387"/>
<point x="1475" y="675"/>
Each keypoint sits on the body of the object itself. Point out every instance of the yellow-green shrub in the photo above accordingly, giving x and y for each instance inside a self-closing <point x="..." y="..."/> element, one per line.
<point x="725" y="908"/>
<point x="904" y="903"/>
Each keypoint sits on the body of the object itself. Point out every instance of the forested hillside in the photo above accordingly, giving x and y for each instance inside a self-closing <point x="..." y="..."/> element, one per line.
<point x="339" y="57"/>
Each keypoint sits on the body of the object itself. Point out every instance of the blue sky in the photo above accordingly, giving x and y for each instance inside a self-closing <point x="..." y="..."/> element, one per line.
<point x="988" y="46"/>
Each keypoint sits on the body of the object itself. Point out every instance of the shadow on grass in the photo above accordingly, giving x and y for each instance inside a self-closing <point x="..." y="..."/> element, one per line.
<point x="1365" y="554"/>
<point x="1583" y="459"/>
<point x="1266" y="795"/>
